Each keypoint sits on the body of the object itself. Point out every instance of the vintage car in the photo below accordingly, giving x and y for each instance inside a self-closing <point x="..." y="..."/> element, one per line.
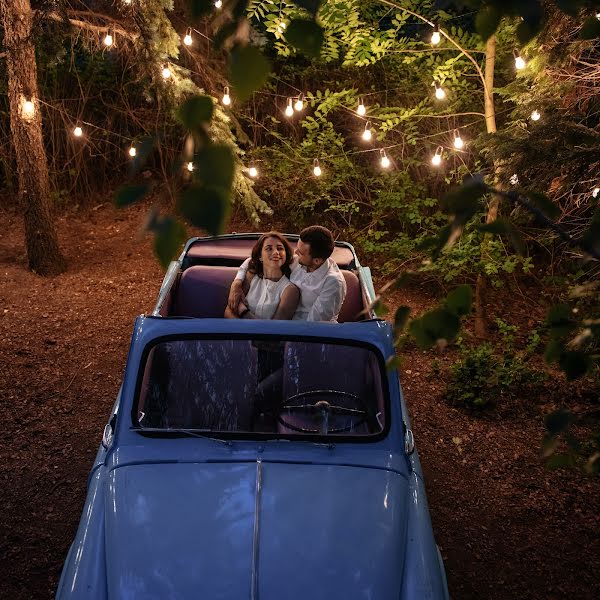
<point x="222" y="477"/>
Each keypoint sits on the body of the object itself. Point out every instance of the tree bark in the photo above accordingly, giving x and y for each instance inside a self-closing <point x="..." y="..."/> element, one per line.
<point x="481" y="328"/>
<point x="43" y="253"/>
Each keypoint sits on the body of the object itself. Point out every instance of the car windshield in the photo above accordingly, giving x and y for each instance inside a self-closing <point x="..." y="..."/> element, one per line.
<point x="263" y="387"/>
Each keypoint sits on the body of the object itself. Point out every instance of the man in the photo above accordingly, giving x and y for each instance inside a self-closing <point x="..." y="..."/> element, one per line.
<point x="321" y="283"/>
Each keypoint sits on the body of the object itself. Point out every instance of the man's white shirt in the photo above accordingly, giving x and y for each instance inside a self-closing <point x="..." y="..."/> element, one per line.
<point x="322" y="291"/>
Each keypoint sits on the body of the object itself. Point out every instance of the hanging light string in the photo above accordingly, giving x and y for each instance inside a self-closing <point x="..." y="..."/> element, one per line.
<point x="297" y="102"/>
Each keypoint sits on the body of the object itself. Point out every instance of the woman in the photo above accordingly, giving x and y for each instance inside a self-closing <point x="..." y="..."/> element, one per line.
<point x="268" y="290"/>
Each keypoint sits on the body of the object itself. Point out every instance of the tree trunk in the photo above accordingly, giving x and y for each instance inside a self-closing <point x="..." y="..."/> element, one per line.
<point x="490" y="124"/>
<point x="43" y="253"/>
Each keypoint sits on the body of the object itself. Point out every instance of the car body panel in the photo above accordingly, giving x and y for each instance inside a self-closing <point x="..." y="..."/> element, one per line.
<point x="160" y="532"/>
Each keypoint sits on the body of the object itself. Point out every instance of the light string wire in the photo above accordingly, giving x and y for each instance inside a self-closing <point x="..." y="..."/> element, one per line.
<point x="372" y="117"/>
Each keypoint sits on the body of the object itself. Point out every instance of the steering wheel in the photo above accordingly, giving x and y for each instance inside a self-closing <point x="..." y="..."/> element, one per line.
<point x="325" y="410"/>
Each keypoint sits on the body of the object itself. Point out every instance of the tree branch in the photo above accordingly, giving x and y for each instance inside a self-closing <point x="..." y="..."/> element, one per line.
<point x="516" y="198"/>
<point x="111" y="26"/>
<point x="451" y="40"/>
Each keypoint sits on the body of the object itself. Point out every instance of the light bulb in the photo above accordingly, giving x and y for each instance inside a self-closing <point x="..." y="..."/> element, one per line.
<point x="361" y="110"/>
<point x="281" y="27"/>
<point x="299" y="105"/>
<point x="514" y="179"/>
<point x="436" y="36"/>
<point x="226" y="100"/>
<point x="126" y="1"/>
<point x="598" y="16"/>
<point x="436" y="159"/>
<point x="535" y="115"/>
<point x="596" y="190"/>
<point x="166" y="73"/>
<point x="458" y="141"/>
<point x="253" y="172"/>
<point x="28" y="109"/>
<point x="367" y="134"/>
<point x="218" y="3"/>
<point x="187" y="40"/>
<point x="289" y="109"/>
<point x="77" y="132"/>
<point x="190" y="166"/>
<point x="519" y="61"/>
<point x="385" y="161"/>
<point x="108" y="40"/>
<point x="132" y="151"/>
<point x="316" y="168"/>
<point x="440" y="94"/>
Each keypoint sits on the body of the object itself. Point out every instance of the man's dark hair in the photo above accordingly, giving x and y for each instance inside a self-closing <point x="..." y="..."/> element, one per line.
<point x="320" y="240"/>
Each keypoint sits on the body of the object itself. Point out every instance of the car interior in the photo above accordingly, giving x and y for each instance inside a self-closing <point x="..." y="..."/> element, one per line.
<point x="202" y="288"/>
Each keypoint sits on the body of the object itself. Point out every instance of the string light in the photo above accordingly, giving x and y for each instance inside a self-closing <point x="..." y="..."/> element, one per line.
<point x="535" y="115"/>
<point x="299" y="105"/>
<point x="190" y="166"/>
<point x="281" y="27"/>
<point x="317" y="168"/>
<point x="514" y="180"/>
<point x="218" y="3"/>
<point x="126" y="1"/>
<point x="384" y="160"/>
<point x="440" y="93"/>
<point x="519" y="60"/>
<point x="458" y="141"/>
<point x="289" y="109"/>
<point x="361" y="110"/>
<point x="108" y="40"/>
<point x="253" y="172"/>
<point x="187" y="40"/>
<point x="596" y="190"/>
<point x="598" y="16"/>
<point x="132" y="151"/>
<point x="226" y="99"/>
<point x="166" y="73"/>
<point x="77" y="132"/>
<point x="27" y="109"/>
<point x="436" y="159"/>
<point x="436" y="36"/>
<point x="367" y="134"/>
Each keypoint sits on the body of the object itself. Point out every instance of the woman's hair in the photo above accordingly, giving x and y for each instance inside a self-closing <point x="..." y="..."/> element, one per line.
<point x="256" y="265"/>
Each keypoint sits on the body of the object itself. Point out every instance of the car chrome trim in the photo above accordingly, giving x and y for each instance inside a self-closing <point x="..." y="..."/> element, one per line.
<point x="409" y="442"/>
<point x="165" y="288"/>
<point x="107" y="436"/>
<point x="256" y="534"/>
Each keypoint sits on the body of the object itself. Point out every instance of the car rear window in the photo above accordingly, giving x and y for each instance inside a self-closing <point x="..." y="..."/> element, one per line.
<point x="263" y="387"/>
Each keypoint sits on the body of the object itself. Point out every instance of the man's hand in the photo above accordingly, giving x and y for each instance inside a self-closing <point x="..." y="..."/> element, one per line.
<point x="236" y="295"/>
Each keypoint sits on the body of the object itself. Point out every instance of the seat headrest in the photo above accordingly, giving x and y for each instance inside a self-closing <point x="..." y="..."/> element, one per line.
<point x="353" y="303"/>
<point x="203" y="291"/>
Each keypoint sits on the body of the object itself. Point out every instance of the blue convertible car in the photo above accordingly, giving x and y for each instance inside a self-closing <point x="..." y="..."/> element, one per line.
<point x="255" y="459"/>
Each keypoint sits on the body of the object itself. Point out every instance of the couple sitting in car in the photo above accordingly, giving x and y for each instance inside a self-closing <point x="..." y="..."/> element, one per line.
<point x="275" y="284"/>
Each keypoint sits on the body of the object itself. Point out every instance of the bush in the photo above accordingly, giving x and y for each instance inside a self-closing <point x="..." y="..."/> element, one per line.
<point x="484" y="378"/>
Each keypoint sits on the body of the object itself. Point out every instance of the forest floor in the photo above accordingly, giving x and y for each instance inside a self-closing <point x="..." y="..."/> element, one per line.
<point x="507" y="527"/>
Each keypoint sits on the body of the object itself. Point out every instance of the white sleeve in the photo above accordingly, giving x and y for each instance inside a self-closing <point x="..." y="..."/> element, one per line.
<point x="329" y="301"/>
<point x="241" y="274"/>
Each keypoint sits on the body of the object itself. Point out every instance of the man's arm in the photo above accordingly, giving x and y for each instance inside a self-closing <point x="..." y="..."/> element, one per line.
<point x="329" y="301"/>
<point x="236" y="291"/>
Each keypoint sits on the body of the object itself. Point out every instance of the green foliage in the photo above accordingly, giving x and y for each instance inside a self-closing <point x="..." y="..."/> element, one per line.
<point x="305" y="35"/>
<point x="485" y="378"/>
<point x="249" y="69"/>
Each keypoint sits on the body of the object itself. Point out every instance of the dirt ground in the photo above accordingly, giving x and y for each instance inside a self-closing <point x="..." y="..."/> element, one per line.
<point x="507" y="528"/>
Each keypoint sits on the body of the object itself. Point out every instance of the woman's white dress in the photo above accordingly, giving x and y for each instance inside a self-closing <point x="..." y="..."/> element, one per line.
<point x="264" y="296"/>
